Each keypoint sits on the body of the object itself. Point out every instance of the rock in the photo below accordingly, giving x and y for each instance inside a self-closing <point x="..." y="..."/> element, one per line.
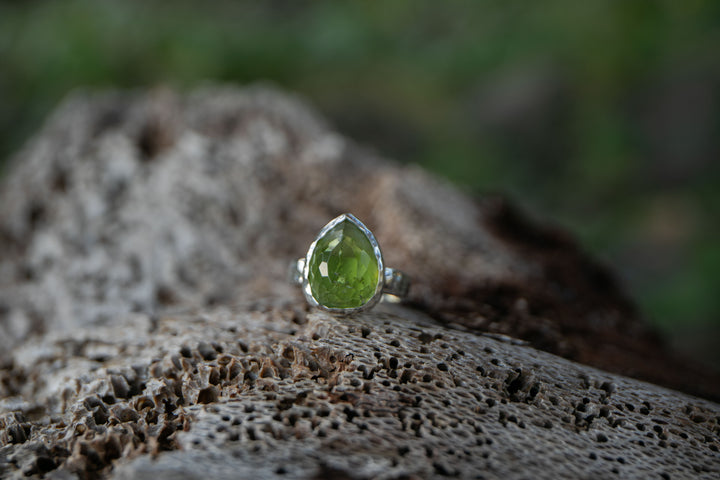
<point x="149" y="330"/>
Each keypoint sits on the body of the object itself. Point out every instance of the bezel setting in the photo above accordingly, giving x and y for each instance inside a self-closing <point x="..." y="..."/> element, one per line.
<point x="378" y="257"/>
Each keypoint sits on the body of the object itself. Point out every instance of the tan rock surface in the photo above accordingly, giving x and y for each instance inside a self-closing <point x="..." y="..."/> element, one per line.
<point x="148" y="330"/>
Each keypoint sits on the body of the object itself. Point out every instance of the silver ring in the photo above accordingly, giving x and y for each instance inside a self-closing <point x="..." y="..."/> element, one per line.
<point x="344" y="272"/>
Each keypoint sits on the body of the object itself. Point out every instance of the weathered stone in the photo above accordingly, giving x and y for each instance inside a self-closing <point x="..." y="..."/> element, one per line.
<point x="148" y="331"/>
<point x="384" y="394"/>
<point x="143" y="202"/>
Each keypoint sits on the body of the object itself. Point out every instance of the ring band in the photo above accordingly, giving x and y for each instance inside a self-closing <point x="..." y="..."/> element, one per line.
<point x="343" y="270"/>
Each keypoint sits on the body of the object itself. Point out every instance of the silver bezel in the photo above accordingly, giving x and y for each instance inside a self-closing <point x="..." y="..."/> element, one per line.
<point x="378" y="256"/>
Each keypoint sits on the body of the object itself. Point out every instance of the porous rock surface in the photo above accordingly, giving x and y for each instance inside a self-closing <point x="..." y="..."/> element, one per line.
<point x="148" y="331"/>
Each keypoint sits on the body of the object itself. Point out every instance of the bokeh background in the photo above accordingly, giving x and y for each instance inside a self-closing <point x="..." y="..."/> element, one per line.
<point x="601" y="117"/>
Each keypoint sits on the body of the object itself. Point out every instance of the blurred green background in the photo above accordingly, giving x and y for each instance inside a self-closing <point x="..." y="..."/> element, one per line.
<point x="603" y="117"/>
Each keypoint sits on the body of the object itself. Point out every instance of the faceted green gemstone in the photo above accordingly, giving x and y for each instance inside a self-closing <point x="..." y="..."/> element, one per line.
<point x="343" y="270"/>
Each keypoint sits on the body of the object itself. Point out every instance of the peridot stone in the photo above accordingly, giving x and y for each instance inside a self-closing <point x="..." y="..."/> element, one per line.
<point x="343" y="269"/>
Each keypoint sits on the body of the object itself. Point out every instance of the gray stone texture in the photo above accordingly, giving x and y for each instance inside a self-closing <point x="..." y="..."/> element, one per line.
<point x="148" y="331"/>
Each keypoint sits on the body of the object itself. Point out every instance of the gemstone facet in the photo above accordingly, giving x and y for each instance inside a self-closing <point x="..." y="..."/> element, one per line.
<point x="343" y="268"/>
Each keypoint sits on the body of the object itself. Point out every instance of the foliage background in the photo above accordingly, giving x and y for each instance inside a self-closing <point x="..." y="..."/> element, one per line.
<point x="603" y="117"/>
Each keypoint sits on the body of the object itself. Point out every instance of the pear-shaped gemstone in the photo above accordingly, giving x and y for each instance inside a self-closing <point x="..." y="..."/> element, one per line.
<point x="343" y="270"/>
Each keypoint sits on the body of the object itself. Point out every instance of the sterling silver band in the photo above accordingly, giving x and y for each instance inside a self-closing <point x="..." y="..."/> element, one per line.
<point x="395" y="282"/>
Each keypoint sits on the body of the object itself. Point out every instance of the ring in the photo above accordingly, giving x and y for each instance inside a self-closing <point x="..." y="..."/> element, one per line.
<point x="343" y="270"/>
